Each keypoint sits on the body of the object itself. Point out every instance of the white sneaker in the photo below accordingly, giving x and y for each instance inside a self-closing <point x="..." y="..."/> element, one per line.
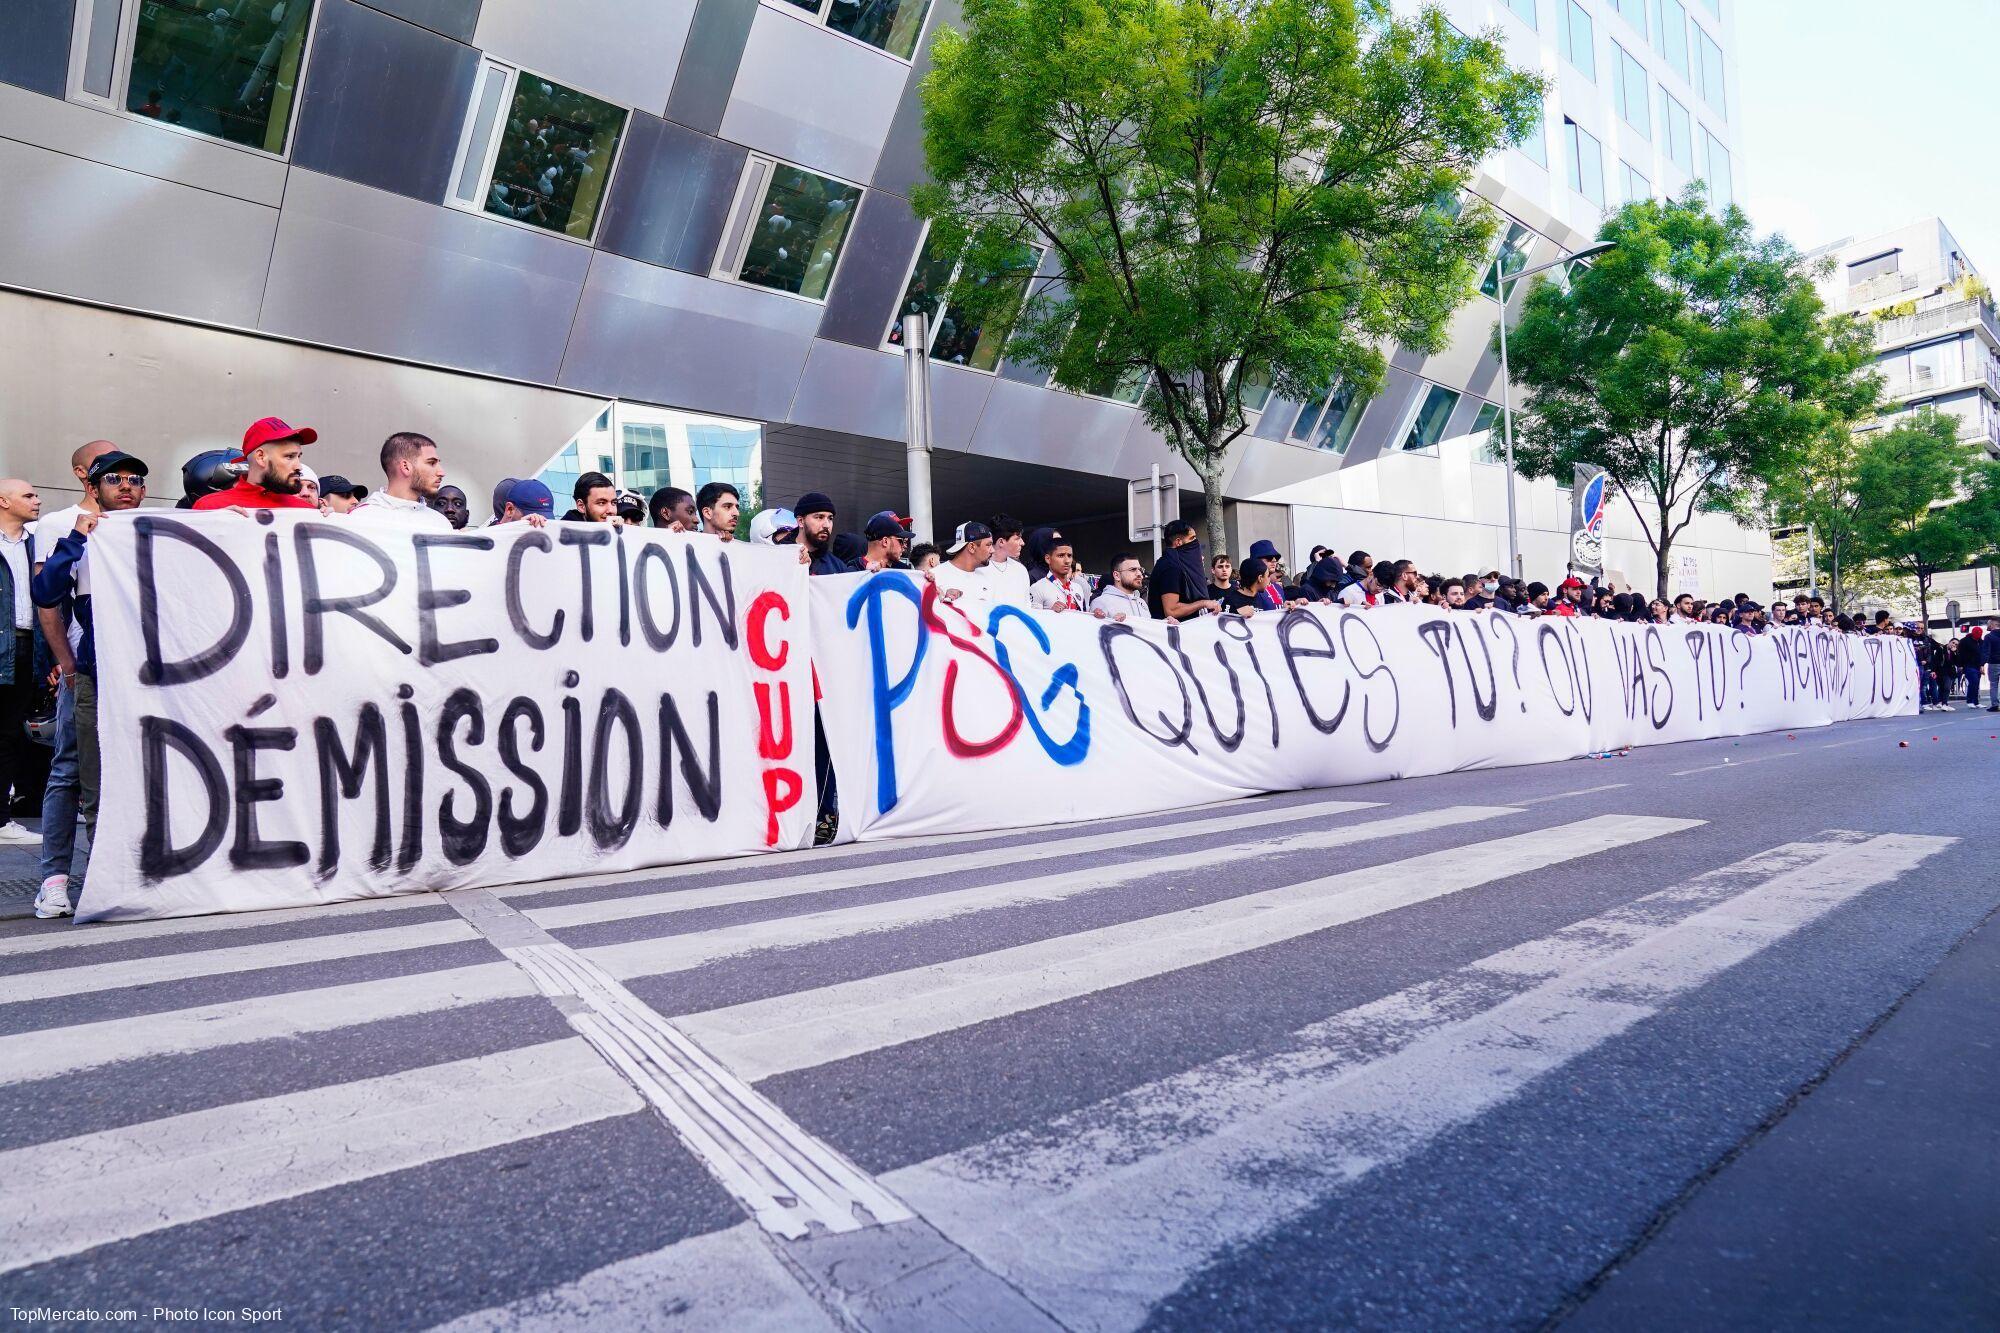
<point x="53" y="900"/>
<point x="14" y="835"/>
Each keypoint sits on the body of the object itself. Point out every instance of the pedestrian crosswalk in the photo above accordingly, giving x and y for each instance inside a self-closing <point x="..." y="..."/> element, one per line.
<point x="1095" y="1212"/>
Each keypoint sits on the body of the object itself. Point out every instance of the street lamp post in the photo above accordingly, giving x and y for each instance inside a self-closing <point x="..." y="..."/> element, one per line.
<point x="1500" y="281"/>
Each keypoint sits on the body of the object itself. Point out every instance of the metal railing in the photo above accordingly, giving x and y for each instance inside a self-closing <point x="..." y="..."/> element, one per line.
<point x="1944" y="319"/>
<point x="1923" y="380"/>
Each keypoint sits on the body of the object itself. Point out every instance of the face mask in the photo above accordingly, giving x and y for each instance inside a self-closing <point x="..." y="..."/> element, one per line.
<point x="1490" y="587"/>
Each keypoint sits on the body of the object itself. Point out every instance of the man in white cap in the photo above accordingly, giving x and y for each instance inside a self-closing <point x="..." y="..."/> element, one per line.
<point x="958" y="576"/>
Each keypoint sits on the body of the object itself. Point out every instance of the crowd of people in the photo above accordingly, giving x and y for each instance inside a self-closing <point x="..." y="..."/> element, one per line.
<point x="48" y="666"/>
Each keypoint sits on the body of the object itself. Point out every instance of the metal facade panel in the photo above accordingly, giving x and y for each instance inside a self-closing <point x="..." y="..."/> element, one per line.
<point x="385" y="102"/>
<point x="709" y="62"/>
<point x="457" y="19"/>
<point x="665" y="337"/>
<point x="901" y="163"/>
<point x="34" y="44"/>
<point x="671" y="195"/>
<point x="141" y="146"/>
<point x="363" y="268"/>
<point x="852" y="390"/>
<point x="873" y="271"/>
<point x="619" y="50"/>
<point x="86" y="229"/>
<point x="813" y="97"/>
<point x="1066" y="430"/>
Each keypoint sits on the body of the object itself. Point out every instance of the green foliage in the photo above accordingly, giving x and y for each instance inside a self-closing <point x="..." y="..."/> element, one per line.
<point x="1690" y="362"/>
<point x="1896" y="311"/>
<point x="1926" y="503"/>
<point x="1272" y="185"/>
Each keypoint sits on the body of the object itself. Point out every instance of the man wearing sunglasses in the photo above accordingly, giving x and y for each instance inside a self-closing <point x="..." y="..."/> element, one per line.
<point x="112" y="482"/>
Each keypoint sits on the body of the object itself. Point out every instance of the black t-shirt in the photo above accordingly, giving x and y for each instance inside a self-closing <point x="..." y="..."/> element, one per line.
<point x="1175" y="574"/>
<point x="1236" y="599"/>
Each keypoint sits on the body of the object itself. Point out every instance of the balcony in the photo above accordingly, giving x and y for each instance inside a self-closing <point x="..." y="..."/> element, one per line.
<point x="1951" y="318"/>
<point x="1923" y="381"/>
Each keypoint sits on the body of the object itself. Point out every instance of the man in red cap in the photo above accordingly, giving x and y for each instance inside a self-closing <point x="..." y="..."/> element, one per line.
<point x="276" y="455"/>
<point x="1569" y="598"/>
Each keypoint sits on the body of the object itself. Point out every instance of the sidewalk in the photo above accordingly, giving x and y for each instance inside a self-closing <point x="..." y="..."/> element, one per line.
<point x="1875" y="1203"/>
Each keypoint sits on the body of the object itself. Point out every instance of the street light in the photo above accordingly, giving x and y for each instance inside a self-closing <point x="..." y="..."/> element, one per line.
<point x="1500" y="281"/>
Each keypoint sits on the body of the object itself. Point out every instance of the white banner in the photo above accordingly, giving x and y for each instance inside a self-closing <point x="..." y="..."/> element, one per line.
<point x="1028" y="718"/>
<point x="300" y="710"/>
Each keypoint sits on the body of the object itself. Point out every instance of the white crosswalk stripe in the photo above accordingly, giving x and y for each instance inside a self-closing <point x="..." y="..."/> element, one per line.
<point x="1104" y="1213"/>
<point x="812" y="1027"/>
<point x="74" y="1194"/>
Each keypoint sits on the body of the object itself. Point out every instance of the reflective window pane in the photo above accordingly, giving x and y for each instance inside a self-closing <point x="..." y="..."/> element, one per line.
<point x="1427" y="427"/>
<point x="1715" y="167"/>
<point x="1512" y="258"/>
<point x="1579" y="39"/>
<point x="1679" y="132"/>
<point x="797" y="231"/>
<point x="1523" y="10"/>
<point x="1534" y="144"/>
<point x="1486" y="425"/>
<point x="1631" y="93"/>
<point x="555" y="156"/>
<point x="929" y="281"/>
<point x="1330" y="421"/>
<point x="1673" y="35"/>
<point x="1255" y="393"/>
<point x="221" y="67"/>
<point x="964" y="339"/>
<point x="892" y="25"/>
<point x="1586" y="162"/>
<point x="1708" y="68"/>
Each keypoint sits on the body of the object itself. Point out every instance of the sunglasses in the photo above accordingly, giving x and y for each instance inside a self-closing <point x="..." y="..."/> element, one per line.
<point x="122" y="479"/>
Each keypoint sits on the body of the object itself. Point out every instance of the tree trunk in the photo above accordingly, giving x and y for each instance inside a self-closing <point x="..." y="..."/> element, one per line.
<point x="1924" y="601"/>
<point x="1660" y="555"/>
<point x="1834" y="587"/>
<point x="1211" y="492"/>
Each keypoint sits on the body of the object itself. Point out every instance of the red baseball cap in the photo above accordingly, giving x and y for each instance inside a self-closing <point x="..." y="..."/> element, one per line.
<point x="271" y="430"/>
<point x="1571" y="582"/>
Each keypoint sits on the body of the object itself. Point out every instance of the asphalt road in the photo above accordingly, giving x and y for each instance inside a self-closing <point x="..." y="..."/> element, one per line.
<point x="1707" y="1036"/>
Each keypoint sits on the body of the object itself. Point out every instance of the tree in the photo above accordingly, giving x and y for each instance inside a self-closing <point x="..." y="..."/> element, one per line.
<point x="1928" y="503"/>
<point x="1234" y="194"/>
<point x="1688" y="362"/>
<point x="1817" y="487"/>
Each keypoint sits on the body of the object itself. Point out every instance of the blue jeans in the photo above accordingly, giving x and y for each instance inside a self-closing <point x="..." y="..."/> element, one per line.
<point x="63" y="793"/>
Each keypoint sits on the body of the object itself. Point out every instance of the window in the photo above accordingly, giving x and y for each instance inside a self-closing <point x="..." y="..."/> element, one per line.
<point x="230" y="72"/>
<point x="1630" y="93"/>
<point x="1708" y="70"/>
<point x="1586" y="162"/>
<point x="957" y="337"/>
<point x="1534" y="144"/>
<point x="1673" y="35"/>
<point x="1512" y="257"/>
<point x="536" y="153"/>
<point x="1633" y="184"/>
<point x="1579" y="42"/>
<point x="1679" y="130"/>
<point x="1329" y="421"/>
<point x="1632" y="11"/>
<point x="787" y="229"/>
<point x="1434" y="409"/>
<point x="1715" y="169"/>
<point x="1255" y="394"/>
<point x="1487" y="425"/>
<point x="1714" y="7"/>
<point x="888" y="25"/>
<point x="1523" y="10"/>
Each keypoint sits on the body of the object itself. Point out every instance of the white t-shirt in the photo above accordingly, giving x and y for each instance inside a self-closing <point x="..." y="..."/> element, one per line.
<point x="382" y="507"/>
<point x="50" y="529"/>
<point x="973" y="588"/>
<point x="1006" y="581"/>
<point x="15" y="553"/>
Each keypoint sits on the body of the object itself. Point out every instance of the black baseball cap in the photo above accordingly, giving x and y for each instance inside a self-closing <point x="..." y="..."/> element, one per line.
<point x="115" y="461"/>
<point x="967" y="534"/>
<point x="339" y="485"/>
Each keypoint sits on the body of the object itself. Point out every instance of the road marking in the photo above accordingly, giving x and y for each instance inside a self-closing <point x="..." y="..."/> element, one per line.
<point x="678" y="953"/>
<point x="51" y="1052"/>
<point x="50" y="983"/>
<point x="724" y="1279"/>
<point x="813" y="1027"/>
<point x="788" y="1181"/>
<point x="69" y="1196"/>
<point x="1738" y="763"/>
<point x="861" y="877"/>
<point x="1565" y="795"/>
<point x="1103" y="1213"/>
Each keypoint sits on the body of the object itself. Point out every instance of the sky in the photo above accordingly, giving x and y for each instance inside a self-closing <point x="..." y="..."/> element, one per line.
<point x="1860" y="115"/>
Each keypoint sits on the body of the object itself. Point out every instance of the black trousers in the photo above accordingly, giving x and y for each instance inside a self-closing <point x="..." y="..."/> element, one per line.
<point x="24" y="765"/>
